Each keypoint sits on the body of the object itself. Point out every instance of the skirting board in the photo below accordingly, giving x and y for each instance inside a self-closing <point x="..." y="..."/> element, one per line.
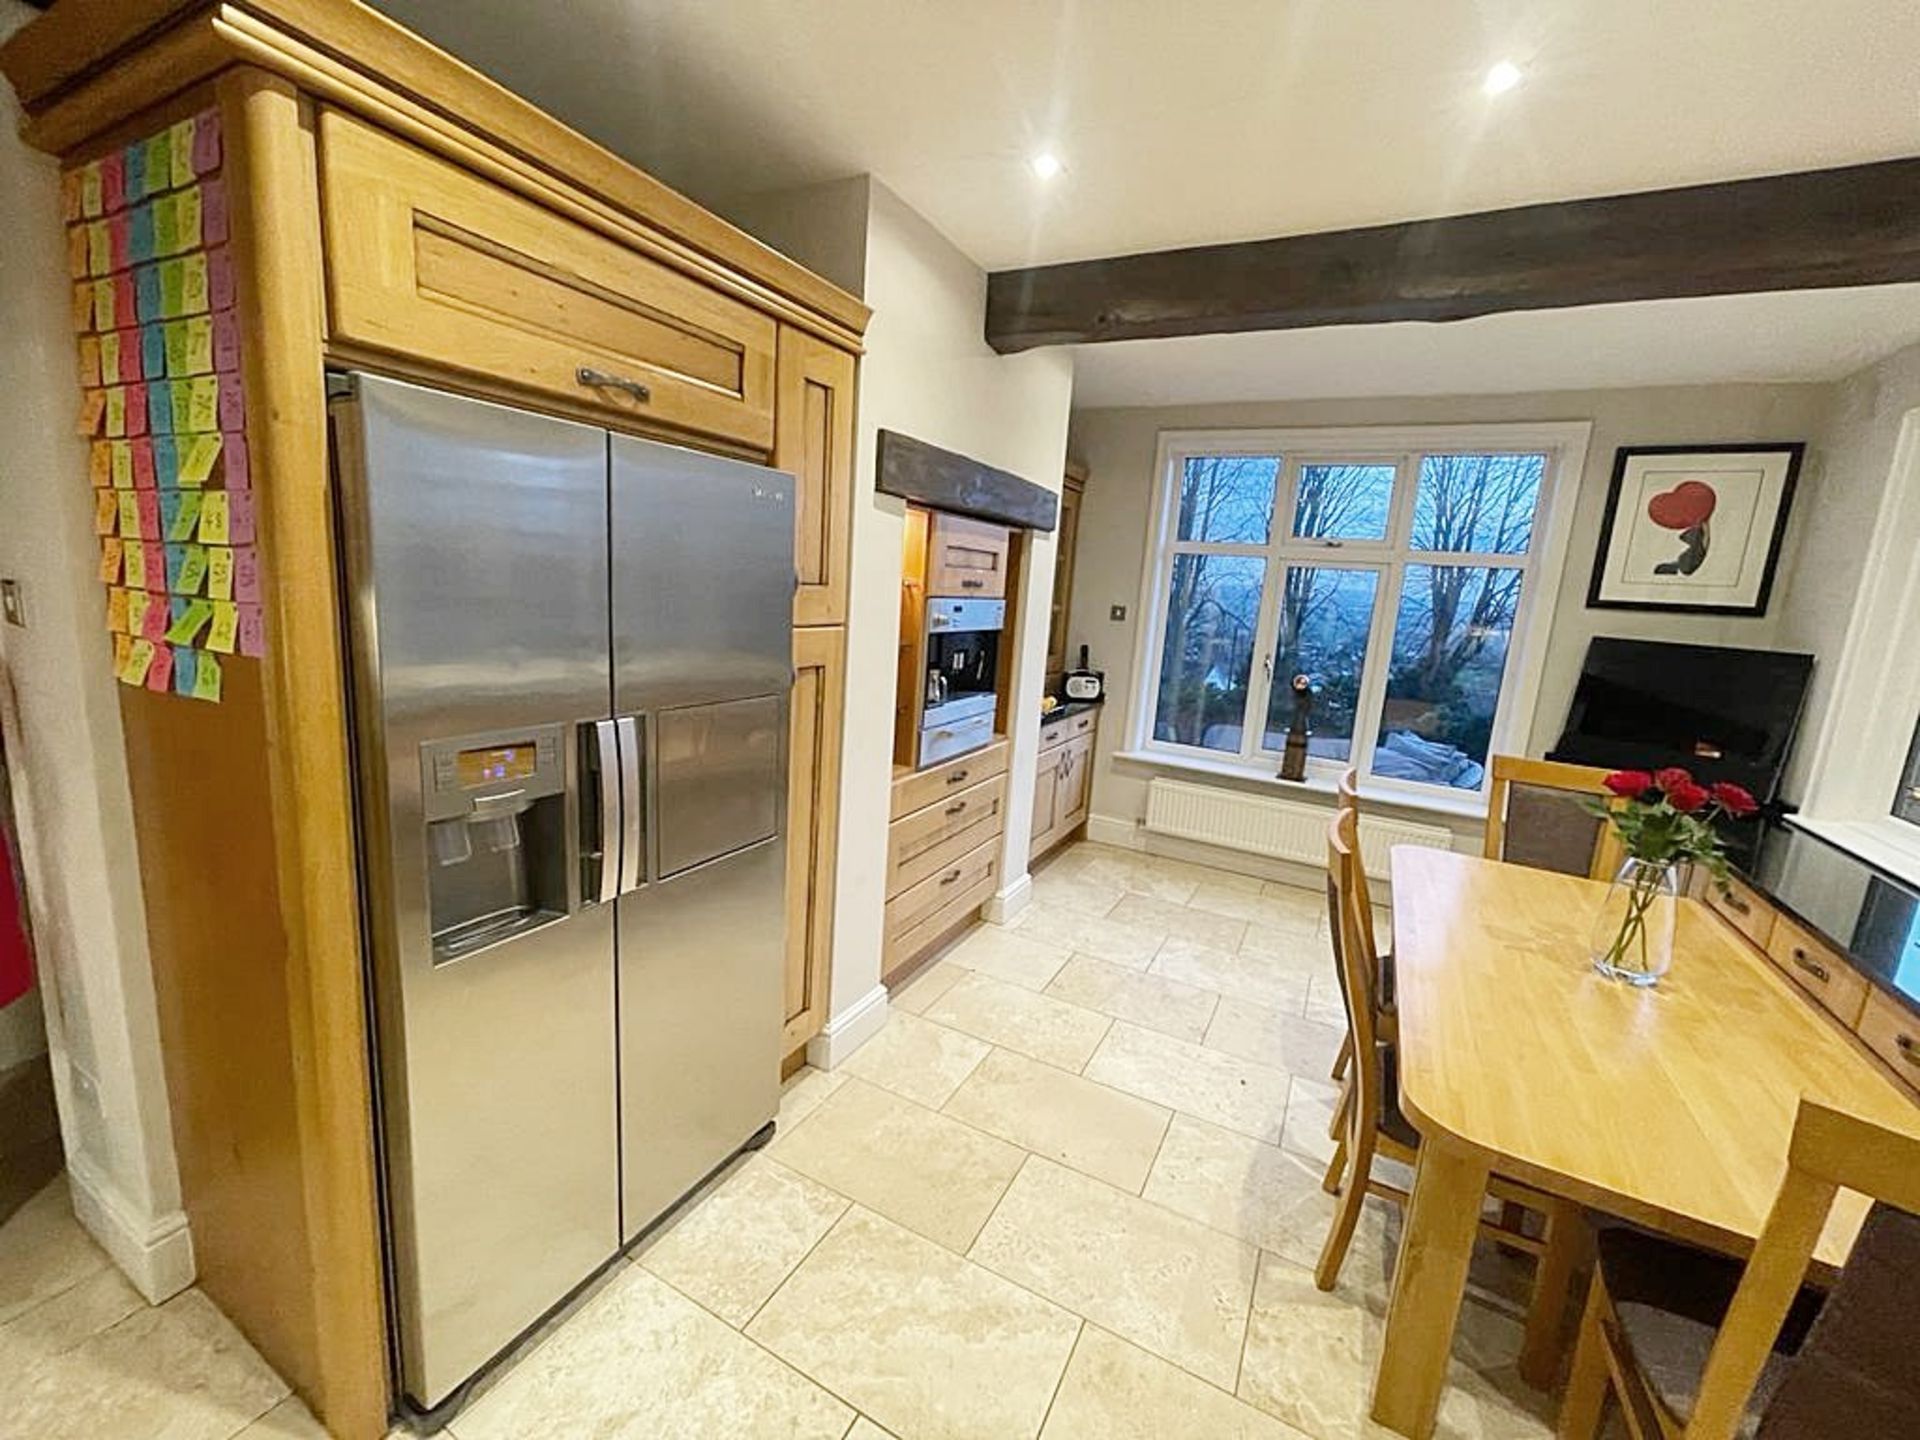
<point x="849" y="1030"/>
<point x="1130" y="835"/>
<point x="1112" y="830"/>
<point x="156" y="1255"/>
<point x="1001" y="908"/>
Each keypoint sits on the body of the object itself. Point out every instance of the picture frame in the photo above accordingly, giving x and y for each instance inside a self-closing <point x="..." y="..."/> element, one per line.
<point x="1694" y="529"/>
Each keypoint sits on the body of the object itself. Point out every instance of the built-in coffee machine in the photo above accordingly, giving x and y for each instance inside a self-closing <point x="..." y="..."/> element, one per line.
<point x="963" y="651"/>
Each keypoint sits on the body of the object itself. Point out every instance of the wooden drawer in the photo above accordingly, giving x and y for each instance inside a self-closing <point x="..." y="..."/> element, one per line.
<point x="932" y="831"/>
<point x="967" y="557"/>
<point x="1893" y="1033"/>
<point x="429" y="261"/>
<point x="962" y="903"/>
<point x="1815" y="965"/>
<point x="917" y="790"/>
<point x="916" y="903"/>
<point x="1071" y="727"/>
<point x="1744" y="909"/>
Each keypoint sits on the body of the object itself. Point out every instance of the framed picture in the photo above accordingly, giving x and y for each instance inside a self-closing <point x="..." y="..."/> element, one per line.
<point x="1694" y="529"/>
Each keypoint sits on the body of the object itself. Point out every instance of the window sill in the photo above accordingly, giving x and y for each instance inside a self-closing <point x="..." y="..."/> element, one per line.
<point x="1467" y="807"/>
<point x="1891" y="844"/>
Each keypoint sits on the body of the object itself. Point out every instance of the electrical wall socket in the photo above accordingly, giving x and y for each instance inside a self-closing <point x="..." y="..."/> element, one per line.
<point x="11" y="605"/>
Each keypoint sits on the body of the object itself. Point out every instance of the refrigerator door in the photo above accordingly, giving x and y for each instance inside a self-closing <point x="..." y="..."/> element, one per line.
<point x="477" y="592"/>
<point x="703" y="585"/>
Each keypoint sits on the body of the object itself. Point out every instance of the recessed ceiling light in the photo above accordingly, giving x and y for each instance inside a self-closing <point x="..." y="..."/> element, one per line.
<point x="1501" y="78"/>
<point x="1045" y="165"/>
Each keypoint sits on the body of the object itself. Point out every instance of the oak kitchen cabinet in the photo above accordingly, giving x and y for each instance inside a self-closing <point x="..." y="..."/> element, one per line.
<point x="388" y="208"/>
<point x="1073" y="490"/>
<point x="1063" y="782"/>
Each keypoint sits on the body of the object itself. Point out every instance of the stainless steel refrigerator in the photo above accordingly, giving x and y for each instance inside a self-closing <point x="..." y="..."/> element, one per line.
<point x="570" y="672"/>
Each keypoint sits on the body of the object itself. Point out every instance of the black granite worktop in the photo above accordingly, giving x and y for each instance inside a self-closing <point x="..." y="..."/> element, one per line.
<point x="1858" y="908"/>
<point x="1068" y="708"/>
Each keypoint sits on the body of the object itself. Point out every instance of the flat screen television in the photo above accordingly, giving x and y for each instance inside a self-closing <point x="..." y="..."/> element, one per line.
<point x="1723" y="713"/>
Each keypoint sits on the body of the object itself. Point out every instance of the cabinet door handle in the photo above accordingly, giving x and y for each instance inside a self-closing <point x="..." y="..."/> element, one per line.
<point x="950" y="877"/>
<point x="957" y="807"/>
<point x="1812" y="966"/>
<point x="601" y="380"/>
<point x="958" y="777"/>
<point x="1735" y="903"/>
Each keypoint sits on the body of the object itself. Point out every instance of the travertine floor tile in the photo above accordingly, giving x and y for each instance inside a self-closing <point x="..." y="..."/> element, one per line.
<point x="1154" y="1001"/>
<point x="921" y="1169"/>
<point x="928" y="984"/>
<point x="69" y="1319"/>
<point x="1265" y="980"/>
<point x="1324" y="1002"/>
<point x="1150" y="1276"/>
<point x="1262" y="911"/>
<point x="642" y="1362"/>
<point x="289" y="1420"/>
<point x="1089" y="1127"/>
<point x="1132" y="946"/>
<point x="1309" y="1113"/>
<point x="733" y="1248"/>
<point x="1199" y="926"/>
<point x="1279" y="1038"/>
<point x="1295" y="950"/>
<point x="1117" y="1391"/>
<point x="865" y="1429"/>
<point x="43" y="1251"/>
<point x="1035" y="1024"/>
<point x="803" y="1092"/>
<point x="1069" y="891"/>
<point x="1245" y="1187"/>
<point x="912" y="1056"/>
<point x="928" y="1344"/>
<point x="1004" y="954"/>
<point x="1192" y="1079"/>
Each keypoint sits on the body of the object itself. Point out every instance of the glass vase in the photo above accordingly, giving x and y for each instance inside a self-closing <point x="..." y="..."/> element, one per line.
<point x="1633" y="933"/>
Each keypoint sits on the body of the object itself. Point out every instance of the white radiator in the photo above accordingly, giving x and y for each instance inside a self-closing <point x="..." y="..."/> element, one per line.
<point x="1278" y="829"/>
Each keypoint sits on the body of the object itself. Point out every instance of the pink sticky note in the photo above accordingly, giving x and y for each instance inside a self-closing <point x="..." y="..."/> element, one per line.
<point x="125" y="311"/>
<point x="136" y="409"/>
<point x="235" y="474"/>
<point x="149" y="503"/>
<point x="226" y="341"/>
<point x="113" y="182"/>
<point x="159" y="613"/>
<point x="117" y="241"/>
<point x="213" y="212"/>
<point x="239" y="517"/>
<point x="246" y="570"/>
<point x="219" y="278"/>
<point x="143" y="464"/>
<point x="206" y="141"/>
<point x="253" y="630"/>
<point x="160" y="672"/>
<point x="233" y="402"/>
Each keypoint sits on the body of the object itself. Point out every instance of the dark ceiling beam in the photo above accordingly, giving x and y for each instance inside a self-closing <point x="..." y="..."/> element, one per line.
<point x="1858" y="225"/>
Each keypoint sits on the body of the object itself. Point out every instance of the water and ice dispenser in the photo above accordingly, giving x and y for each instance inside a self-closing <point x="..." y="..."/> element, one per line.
<point x="496" y="836"/>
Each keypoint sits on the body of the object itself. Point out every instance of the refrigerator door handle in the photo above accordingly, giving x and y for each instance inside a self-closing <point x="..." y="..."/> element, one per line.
<point x="632" y="861"/>
<point x="607" y="750"/>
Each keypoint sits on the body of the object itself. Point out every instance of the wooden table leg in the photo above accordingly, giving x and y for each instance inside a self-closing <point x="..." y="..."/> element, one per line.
<point x="1429" y="1279"/>
<point x="1569" y="1247"/>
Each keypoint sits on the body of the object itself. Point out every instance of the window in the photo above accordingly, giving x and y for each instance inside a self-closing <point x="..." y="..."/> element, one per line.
<point x="1399" y="570"/>
<point x="1906" y="803"/>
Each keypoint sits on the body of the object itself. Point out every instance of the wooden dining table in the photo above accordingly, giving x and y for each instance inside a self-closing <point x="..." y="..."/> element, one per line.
<point x="1670" y="1106"/>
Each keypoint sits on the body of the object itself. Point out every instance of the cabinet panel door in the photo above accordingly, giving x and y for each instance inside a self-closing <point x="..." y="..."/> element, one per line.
<point x="967" y="557"/>
<point x="813" y="438"/>
<point x="1076" y="782"/>
<point x="813" y="816"/>
<point x="1046" y="791"/>
<point x="1066" y="546"/>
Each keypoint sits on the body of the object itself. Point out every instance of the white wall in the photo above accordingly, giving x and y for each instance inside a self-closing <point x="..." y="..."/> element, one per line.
<point x="1118" y="447"/>
<point x="62" y="721"/>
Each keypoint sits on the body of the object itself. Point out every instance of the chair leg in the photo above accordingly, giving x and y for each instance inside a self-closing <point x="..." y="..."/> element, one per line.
<point x="1334" y="1253"/>
<point x="1337" y="1123"/>
<point x="1585" y="1403"/>
<point x="1336" y="1167"/>
<point x="1344" y="1058"/>
<point x="1566" y="1245"/>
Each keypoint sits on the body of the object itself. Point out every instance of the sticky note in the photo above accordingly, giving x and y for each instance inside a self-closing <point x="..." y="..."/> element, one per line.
<point x="139" y="661"/>
<point x="114" y="415"/>
<point x="159" y="166"/>
<point x="122" y="648"/>
<point x="90" y="196"/>
<point x="117" y="610"/>
<point x="160" y="672"/>
<point x="226" y="340"/>
<point x="189" y="616"/>
<point x="133" y="160"/>
<point x="253" y="630"/>
<point x="246" y="573"/>
<point x="103" y="305"/>
<point x="213" y="211"/>
<point x="160" y="409"/>
<point x="186" y="219"/>
<point x="166" y="460"/>
<point x="120" y="464"/>
<point x="203" y="403"/>
<point x="143" y="474"/>
<point x="181" y="392"/>
<point x="193" y="569"/>
<point x="175" y="332"/>
<point x="113" y="182"/>
<point x="78" y="262"/>
<point x="82" y="313"/>
<point x="129" y="515"/>
<point x="194" y="299"/>
<point x="126" y="300"/>
<point x="183" y="514"/>
<point x="133" y="556"/>
<point x="90" y="359"/>
<point x="172" y="288"/>
<point x="139" y="606"/>
<point x="180" y="151"/>
<point x="99" y="464"/>
<point x="69" y="194"/>
<point x="233" y="402"/>
<point x="93" y="409"/>
<point x="213" y="517"/>
<point x="206" y="678"/>
<point x="99" y="256"/>
<point x="142" y="243"/>
<point x="148" y="299"/>
<point x="137" y="409"/>
<point x="219" y="278"/>
<point x="106" y="512"/>
<point x="240" y="517"/>
<point x="197" y="454"/>
<point x="118" y="242"/>
<point x="219" y="572"/>
<point x="224" y="632"/>
<point x="164" y="212"/>
<point x="148" y="502"/>
<point x="235" y="473"/>
<point x="183" y="666"/>
<point x="159" y="608"/>
<point x="206" y="141"/>
<point x="198" y="343"/>
<point x="132" y="362"/>
<point x="112" y="552"/>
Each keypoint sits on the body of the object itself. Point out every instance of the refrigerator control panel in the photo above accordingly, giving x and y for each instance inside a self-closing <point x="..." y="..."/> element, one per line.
<point x="465" y="770"/>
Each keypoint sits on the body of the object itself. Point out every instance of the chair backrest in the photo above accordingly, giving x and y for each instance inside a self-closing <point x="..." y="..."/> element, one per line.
<point x="1850" y="1357"/>
<point x="1349" y="788"/>
<point x="1536" y="816"/>
<point x="1359" y="961"/>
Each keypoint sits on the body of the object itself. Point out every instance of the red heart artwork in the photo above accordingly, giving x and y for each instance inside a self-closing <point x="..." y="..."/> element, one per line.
<point x="1684" y="506"/>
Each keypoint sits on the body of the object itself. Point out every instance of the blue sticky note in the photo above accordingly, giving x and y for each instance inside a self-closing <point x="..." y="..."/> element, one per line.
<point x="140" y="234"/>
<point x="169" y="512"/>
<point x="146" y="292"/>
<point x="185" y="662"/>
<point x="153" y="351"/>
<point x="166" y="458"/>
<point x="176" y="561"/>
<point x="134" y="158"/>
<point x="160" y="412"/>
<point x="176" y="604"/>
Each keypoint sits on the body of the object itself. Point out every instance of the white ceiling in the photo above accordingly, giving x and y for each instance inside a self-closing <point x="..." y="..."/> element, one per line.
<point x="1803" y="335"/>
<point x="1209" y="120"/>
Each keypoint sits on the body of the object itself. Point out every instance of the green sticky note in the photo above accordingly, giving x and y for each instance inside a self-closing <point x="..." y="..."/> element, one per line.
<point x="186" y="516"/>
<point x="198" y="344"/>
<point x="206" y="677"/>
<point x="197" y="454"/>
<point x="172" y="288"/>
<point x="159" y="162"/>
<point x="175" y="333"/>
<point x="166" y="233"/>
<point x="196" y="614"/>
<point x="180" y="396"/>
<point x="193" y="568"/>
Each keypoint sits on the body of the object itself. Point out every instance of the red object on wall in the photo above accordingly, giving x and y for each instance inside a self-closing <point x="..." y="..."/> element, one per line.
<point x="16" y="955"/>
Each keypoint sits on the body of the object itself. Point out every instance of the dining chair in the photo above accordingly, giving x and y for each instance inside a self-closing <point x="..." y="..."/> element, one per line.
<point x="1348" y="788"/>
<point x="1376" y="1127"/>
<point x="1537" y="815"/>
<point x="1699" y="1347"/>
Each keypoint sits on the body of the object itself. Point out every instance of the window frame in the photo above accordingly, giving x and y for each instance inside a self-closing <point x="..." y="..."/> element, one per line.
<point x="1563" y="443"/>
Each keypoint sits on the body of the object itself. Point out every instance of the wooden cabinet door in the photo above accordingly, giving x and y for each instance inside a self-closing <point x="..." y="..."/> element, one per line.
<point x="967" y="558"/>
<point x="1066" y="543"/>
<point x="813" y="815"/>
<point x="1046" y="791"/>
<point x="813" y="439"/>
<point x="1076" y="782"/>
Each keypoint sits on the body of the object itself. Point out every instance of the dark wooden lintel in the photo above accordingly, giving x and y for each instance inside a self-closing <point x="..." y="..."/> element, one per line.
<point x="945" y="480"/>
<point x="1859" y="225"/>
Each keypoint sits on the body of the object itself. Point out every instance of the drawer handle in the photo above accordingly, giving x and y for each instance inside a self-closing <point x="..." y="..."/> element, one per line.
<point x="950" y="877"/>
<point x="601" y="380"/>
<point x="1813" y="967"/>
<point x="1734" y="903"/>
<point x="958" y="777"/>
<point x="972" y="584"/>
<point x="1908" y="1047"/>
<point x="956" y="807"/>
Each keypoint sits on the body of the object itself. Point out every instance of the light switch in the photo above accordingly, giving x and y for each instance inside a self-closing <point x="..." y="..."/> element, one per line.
<point x="1116" y="613"/>
<point x="11" y="605"/>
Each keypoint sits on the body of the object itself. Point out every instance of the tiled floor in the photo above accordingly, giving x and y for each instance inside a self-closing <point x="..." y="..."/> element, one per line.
<point x="1071" y="1190"/>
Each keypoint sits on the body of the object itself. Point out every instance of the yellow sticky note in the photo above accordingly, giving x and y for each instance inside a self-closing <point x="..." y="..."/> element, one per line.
<point x="226" y="625"/>
<point x="90" y="201"/>
<point x="206" y="677"/>
<point x="130" y="514"/>
<point x="180" y="152"/>
<point x="198" y="346"/>
<point x="203" y="403"/>
<point x="99" y="249"/>
<point x="106" y="512"/>
<point x="116" y="410"/>
<point x="197" y="454"/>
<point x="186" y="216"/>
<point x="106" y="358"/>
<point x="219" y="572"/>
<point x="103" y="308"/>
<point x="135" y="556"/>
<point x="100" y="464"/>
<point x="193" y="566"/>
<point x="111" y="551"/>
<point x="193" y="284"/>
<point x="120" y="463"/>
<point x="122" y="647"/>
<point x="139" y="661"/>
<point x="213" y="518"/>
<point x="117" y="610"/>
<point x="138" y="602"/>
